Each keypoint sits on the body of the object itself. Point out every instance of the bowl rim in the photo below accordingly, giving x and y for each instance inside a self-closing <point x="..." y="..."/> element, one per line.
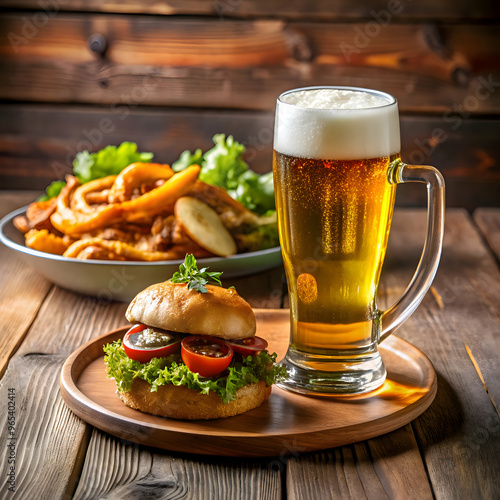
<point x="8" y="242"/>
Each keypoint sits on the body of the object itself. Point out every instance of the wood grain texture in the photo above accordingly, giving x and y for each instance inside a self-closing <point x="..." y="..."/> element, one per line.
<point x="455" y="429"/>
<point x="245" y="64"/>
<point x="296" y="9"/>
<point x="9" y="201"/>
<point x="134" y="471"/>
<point x="50" y="467"/>
<point x="458" y="435"/>
<point x="285" y="420"/>
<point x="488" y="221"/>
<point x="67" y="320"/>
<point x="398" y="464"/>
<point x="38" y="144"/>
<point x="466" y="427"/>
<point x="263" y="290"/>
<point x="16" y="281"/>
<point x="386" y="467"/>
<point x="49" y="435"/>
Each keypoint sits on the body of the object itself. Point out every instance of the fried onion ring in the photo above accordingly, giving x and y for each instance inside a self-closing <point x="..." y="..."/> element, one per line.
<point x="75" y="223"/>
<point x="160" y="199"/>
<point x="134" y="176"/>
<point x="121" y="249"/>
<point x="37" y="216"/>
<point x="79" y="202"/>
<point x="44" y="241"/>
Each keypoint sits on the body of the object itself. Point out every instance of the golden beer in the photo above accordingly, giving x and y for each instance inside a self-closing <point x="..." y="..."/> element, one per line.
<point x="336" y="165"/>
<point x="334" y="220"/>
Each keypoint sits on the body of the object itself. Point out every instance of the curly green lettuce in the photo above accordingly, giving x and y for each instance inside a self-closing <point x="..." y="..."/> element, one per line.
<point x="171" y="370"/>
<point x="259" y="237"/>
<point x="52" y="190"/>
<point x="110" y="160"/>
<point x="223" y="166"/>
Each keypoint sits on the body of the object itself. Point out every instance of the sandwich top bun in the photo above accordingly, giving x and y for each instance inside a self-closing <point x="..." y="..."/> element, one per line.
<point x="220" y="312"/>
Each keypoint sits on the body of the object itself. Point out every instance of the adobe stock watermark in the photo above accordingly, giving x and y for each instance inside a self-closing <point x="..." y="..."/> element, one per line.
<point x="481" y="435"/>
<point x="93" y="138"/>
<point x="291" y="449"/>
<point x="258" y="142"/>
<point x="363" y="35"/>
<point x="121" y="278"/>
<point x="483" y="89"/>
<point x="32" y="24"/>
<point x="224" y="7"/>
<point x="12" y="436"/>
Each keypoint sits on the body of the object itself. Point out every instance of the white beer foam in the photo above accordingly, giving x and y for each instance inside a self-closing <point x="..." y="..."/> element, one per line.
<point x="337" y="124"/>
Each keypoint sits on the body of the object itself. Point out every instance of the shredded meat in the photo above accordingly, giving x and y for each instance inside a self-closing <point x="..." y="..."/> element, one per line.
<point x="98" y="253"/>
<point x="98" y="197"/>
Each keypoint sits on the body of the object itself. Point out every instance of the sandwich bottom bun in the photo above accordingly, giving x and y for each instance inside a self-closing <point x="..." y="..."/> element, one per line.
<point x="182" y="403"/>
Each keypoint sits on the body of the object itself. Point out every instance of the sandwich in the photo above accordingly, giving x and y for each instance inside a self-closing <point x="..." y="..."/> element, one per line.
<point x="192" y="352"/>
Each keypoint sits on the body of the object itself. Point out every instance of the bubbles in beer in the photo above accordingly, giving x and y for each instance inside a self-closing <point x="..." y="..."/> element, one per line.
<point x="333" y="149"/>
<point x="334" y="224"/>
<point x="307" y="288"/>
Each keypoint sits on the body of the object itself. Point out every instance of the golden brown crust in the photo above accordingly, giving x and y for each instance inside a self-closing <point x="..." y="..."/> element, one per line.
<point x="182" y="403"/>
<point x="220" y="312"/>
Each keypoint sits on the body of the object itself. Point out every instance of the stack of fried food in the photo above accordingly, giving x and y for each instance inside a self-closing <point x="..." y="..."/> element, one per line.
<point x="146" y="213"/>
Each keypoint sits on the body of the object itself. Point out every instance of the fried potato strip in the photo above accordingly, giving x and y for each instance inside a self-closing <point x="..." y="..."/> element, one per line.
<point x="44" y="241"/>
<point x="134" y="176"/>
<point x="37" y="216"/>
<point x="162" y="198"/>
<point x="79" y="202"/>
<point x="121" y="249"/>
<point x="132" y="217"/>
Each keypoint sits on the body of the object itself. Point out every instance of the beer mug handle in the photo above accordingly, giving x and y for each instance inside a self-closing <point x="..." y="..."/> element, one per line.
<point x="427" y="267"/>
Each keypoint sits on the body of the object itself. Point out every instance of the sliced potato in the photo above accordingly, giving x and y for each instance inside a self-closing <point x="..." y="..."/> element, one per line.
<point x="204" y="226"/>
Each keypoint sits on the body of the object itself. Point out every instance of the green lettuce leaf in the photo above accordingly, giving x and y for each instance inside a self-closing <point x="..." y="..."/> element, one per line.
<point x="186" y="159"/>
<point x="171" y="370"/>
<point x="223" y="166"/>
<point x="110" y="160"/>
<point x="52" y="190"/>
<point x="258" y="237"/>
<point x="255" y="191"/>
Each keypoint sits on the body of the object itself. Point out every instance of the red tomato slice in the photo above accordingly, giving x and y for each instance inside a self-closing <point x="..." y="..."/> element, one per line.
<point x="207" y="356"/>
<point x="144" y="346"/>
<point x="248" y="347"/>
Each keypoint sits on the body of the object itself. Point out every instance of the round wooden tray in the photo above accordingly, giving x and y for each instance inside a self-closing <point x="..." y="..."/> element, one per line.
<point x="285" y="424"/>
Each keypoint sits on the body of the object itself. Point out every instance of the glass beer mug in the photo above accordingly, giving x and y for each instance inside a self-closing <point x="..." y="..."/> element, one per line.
<point x="336" y="165"/>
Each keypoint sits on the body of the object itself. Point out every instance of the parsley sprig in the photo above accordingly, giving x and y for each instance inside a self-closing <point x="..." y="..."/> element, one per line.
<point x="195" y="279"/>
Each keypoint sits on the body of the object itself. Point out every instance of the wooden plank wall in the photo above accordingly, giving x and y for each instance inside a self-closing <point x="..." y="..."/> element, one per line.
<point x="168" y="75"/>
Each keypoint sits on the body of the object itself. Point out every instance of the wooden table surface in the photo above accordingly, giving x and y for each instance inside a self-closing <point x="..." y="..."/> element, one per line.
<point x="451" y="451"/>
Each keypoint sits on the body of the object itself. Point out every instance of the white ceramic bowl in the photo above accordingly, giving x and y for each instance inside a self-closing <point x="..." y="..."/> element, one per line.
<point x="122" y="281"/>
